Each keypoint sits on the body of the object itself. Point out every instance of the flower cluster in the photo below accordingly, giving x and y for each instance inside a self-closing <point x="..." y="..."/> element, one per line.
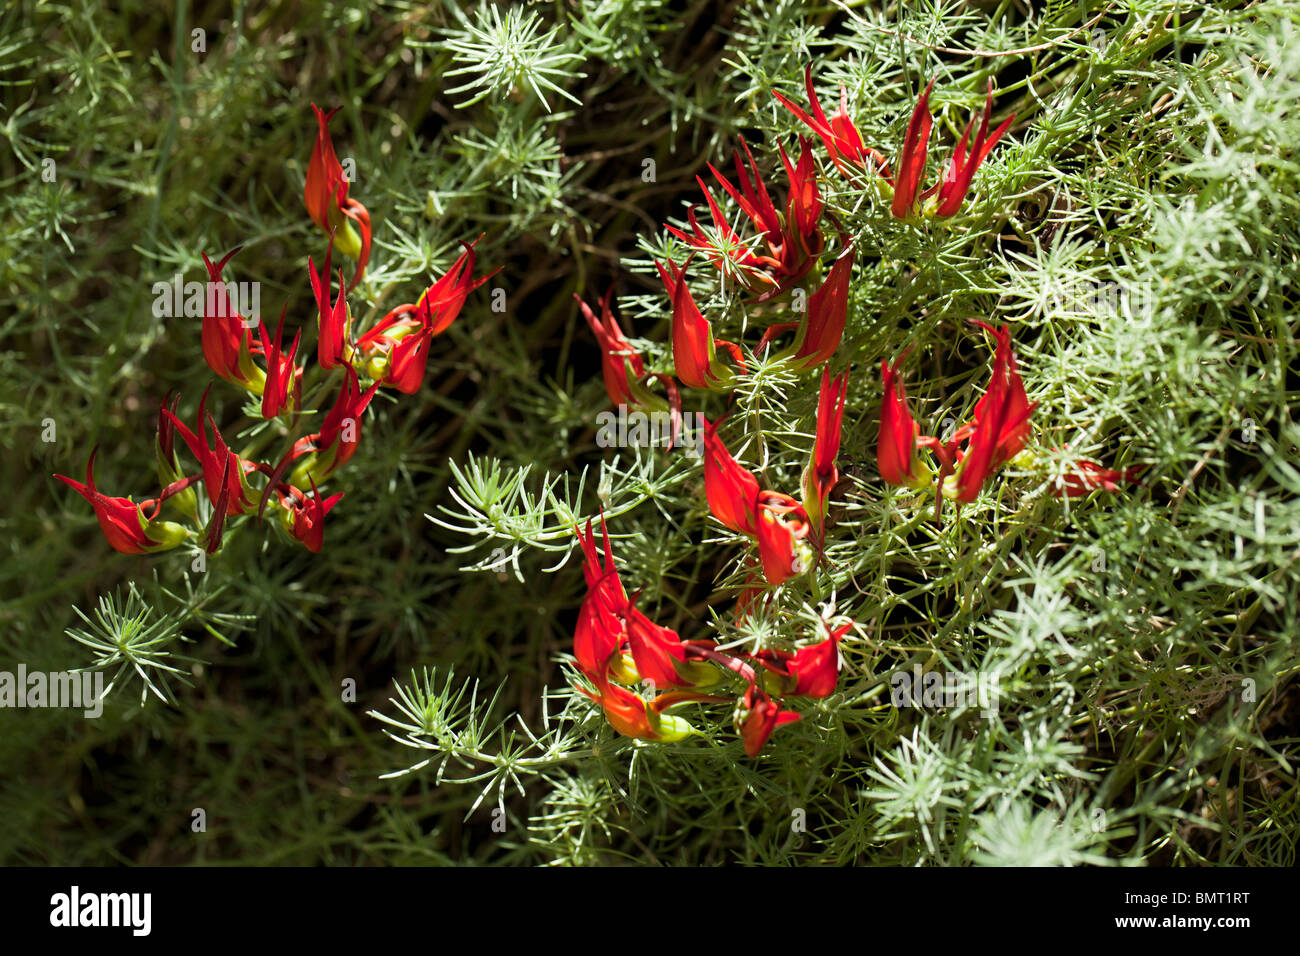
<point x="618" y="648"/>
<point x="780" y="525"/>
<point x="997" y="432"/>
<point x="239" y="349"/>
<point x="973" y="451"/>
<point x="793" y="244"/>
<point x="1000" y="426"/>
<point x="615" y="645"/>
<point x="844" y="145"/>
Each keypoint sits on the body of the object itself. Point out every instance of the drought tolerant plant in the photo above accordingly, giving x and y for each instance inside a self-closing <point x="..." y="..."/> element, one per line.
<point x="974" y="538"/>
<point x="394" y="353"/>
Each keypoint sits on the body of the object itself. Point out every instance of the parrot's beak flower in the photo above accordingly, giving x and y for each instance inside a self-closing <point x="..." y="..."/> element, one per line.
<point x="169" y="466"/>
<point x="333" y="344"/>
<point x="782" y="530"/>
<point x="1001" y="424"/>
<point x="822" y="326"/>
<point x="608" y="622"/>
<point x="225" y="474"/>
<point x="752" y="198"/>
<point x="695" y="356"/>
<point x="757" y="716"/>
<point x="821" y="474"/>
<point x="304" y="516"/>
<point x="841" y="138"/>
<point x="616" y="646"/>
<point x="632" y="716"/>
<point x="949" y="193"/>
<point x="340" y="433"/>
<point x="396" y="350"/>
<point x="897" y="454"/>
<point x="961" y="168"/>
<point x="123" y="521"/>
<point x="776" y="521"/>
<point x="732" y="491"/>
<point x="792" y="241"/>
<point x="845" y="147"/>
<point x="602" y="577"/>
<point x="326" y="197"/>
<point x="911" y="164"/>
<point x="228" y="345"/>
<point x="283" y="388"/>
<point x="811" y="671"/>
<point x="620" y="364"/>
<point x="602" y="631"/>
<point x="599" y="637"/>
<point x="997" y="432"/>
<point x="441" y="302"/>
<point x="723" y="247"/>
<point x="623" y="368"/>
<point x="816" y="668"/>
<point x="660" y="655"/>
<point x="804" y="204"/>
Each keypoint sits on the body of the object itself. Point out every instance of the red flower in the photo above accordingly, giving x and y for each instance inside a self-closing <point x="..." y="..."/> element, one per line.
<point x="332" y="346"/>
<point x="326" y="197"/>
<point x="227" y="340"/>
<point x="305" y="516"/>
<point x="281" y="376"/>
<point x="896" y="451"/>
<point x="816" y="668"/>
<point x="441" y="302"/>
<point x="791" y="241"/>
<point x="340" y="433"/>
<point x="821" y="474"/>
<point x="123" y="521"/>
<point x="621" y="365"/>
<point x="659" y="653"/>
<point x="599" y="637"/>
<point x="602" y="622"/>
<point x="843" y="142"/>
<point x="726" y="246"/>
<point x="757" y="716"/>
<point x="632" y="716"/>
<point x="823" y="324"/>
<point x="731" y="490"/>
<point x="224" y="472"/>
<point x="609" y="620"/>
<point x="782" y="527"/>
<point x="777" y="522"/>
<point x="1087" y="476"/>
<point x="397" y="349"/>
<point x="1001" y="425"/>
<point x="804" y="205"/>
<point x="602" y="577"/>
<point x="169" y="466"/>
<point x="955" y="184"/>
<point x="961" y="168"/>
<point x="811" y="671"/>
<point x="695" y="354"/>
<point x="911" y="164"/>
<point x="752" y="198"/>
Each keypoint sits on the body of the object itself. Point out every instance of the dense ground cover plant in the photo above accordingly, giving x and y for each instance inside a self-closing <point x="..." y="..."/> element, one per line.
<point x="971" y="537"/>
